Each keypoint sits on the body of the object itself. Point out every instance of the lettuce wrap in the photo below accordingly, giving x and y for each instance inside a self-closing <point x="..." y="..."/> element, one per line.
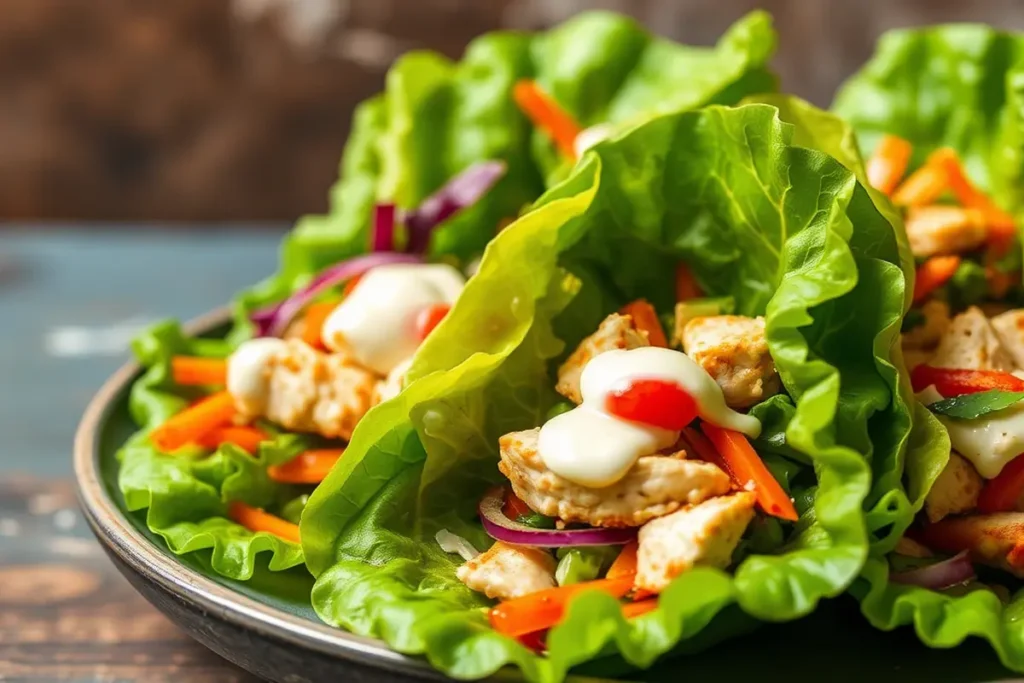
<point x="435" y="118"/>
<point x="956" y="86"/>
<point x="748" y="199"/>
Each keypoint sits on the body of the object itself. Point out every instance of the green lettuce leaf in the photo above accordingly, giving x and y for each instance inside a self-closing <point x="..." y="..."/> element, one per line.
<point x="781" y="227"/>
<point x="185" y="495"/>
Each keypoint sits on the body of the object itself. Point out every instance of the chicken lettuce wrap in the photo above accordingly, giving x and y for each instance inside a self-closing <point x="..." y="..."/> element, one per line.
<point x="650" y="417"/>
<point x="939" y="111"/>
<point x="235" y="434"/>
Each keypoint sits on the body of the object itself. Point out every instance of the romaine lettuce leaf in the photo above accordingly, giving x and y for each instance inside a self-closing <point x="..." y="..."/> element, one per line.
<point x="784" y="229"/>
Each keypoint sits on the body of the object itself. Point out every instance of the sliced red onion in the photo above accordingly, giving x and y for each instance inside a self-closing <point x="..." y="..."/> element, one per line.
<point x="452" y="543"/>
<point x="273" y="320"/>
<point x="462" y="191"/>
<point x="383" y="227"/>
<point x="952" y="572"/>
<point x="501" y="528"/>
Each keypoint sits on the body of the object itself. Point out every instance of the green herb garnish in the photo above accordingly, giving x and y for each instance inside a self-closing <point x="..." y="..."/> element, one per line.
<point x="973" y="406"/>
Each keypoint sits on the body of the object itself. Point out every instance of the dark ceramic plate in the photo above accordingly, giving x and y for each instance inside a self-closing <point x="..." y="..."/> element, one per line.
<point x="266" y="625"/>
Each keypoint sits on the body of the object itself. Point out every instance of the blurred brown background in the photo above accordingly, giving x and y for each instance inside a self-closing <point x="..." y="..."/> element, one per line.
<point x="200" y="110"/>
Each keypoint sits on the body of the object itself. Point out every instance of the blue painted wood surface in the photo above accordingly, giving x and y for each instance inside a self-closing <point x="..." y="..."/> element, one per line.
<point x="96" y="278"/>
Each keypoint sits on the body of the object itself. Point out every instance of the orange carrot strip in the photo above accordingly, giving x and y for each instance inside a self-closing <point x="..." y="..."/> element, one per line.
<point x="646" y="319"/>
<point x="686" y="285"/>
<point x="924" y="186"/>
<point x="246" y="438"/>
<point x="999" y="283"/>
<point x="888" y="164"/>
<point x="351" y="285"/>
<point x="309" y="467"/>
<point x="624" y="565"/>
<point x="256" y="520"/>
<point x="635" y="609"/>
<point x="932" y="274"/>
<point x="547" y="115"/>
<point x="313" y="322"/>
<point x="749" y="471"/>
<point x="543" y="609"/>
<point x="1001" y="227"/>
<point x="194" y="422"/>
<point x="191" y="371"/>
<point x="705" y="450"/>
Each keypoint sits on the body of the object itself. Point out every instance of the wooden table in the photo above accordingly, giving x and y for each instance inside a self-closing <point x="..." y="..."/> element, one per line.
<point x="65" y="612"/>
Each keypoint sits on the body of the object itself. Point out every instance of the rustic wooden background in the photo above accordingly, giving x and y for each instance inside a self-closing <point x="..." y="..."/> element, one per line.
<point x="237" y="109"/>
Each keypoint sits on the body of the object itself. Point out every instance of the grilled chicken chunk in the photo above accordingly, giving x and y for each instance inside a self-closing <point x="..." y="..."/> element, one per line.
<point x="934" y="230"/>
<point x="704" y="535"/>
<point x="955" y="491"/>
<point x="970" y="343"/>
<point x="616" y="332"/>
<point x="509" y="571"/>
<point x="993" y="539"/>
<point x="733" y="350"/>
<point x="1009" y="327"/>
<point x="653" y="487"/>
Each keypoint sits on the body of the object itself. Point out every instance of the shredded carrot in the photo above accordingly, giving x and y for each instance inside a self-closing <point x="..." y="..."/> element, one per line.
<point x="705" y="450"/>
<point x="749" y="471"/>
<point x="888" y="164"/>
<point x="543" y="609"/>
<point x="624" y="565"/>
<point x="636" y="609"/>
<point x="313" y="323"/>
<point x="246" y="438"/>
<point x="547" y="115"/>
<point x="257" y="520"/>
<point x="924" y="186"/>
<point x="686" y="285"/>
<point x="999" y="283"/>
<point x="646" y="319"/>
<point x="351" y="285"/>
<point x="193" y="423"/>
<point x="1001" y="227"/>
<point x="309" y="467"/>
<point x="932" y="274"/>
<point x="192" y="371"/>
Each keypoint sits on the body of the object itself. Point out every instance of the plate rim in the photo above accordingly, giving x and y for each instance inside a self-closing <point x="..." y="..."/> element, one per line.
<point x="114" y="530"/>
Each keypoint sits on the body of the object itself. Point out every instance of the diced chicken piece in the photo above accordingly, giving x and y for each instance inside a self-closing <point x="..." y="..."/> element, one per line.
<point x="928" y="334"/>
<point x="1009" y="327"/>
<point x="616" y="332"/>
<point x="955" y="491"/>
<point x="996" y="540"/>
<point x="934" y="230"/>
<point x="911" y="548"/>
<point x="310" y="391"/>
<point x="509" y="571"/>
<point x="653" y="487"/>
<point x="733" y="350"/>
<point x="704" y="535"/>
<point x="970" y="343"/>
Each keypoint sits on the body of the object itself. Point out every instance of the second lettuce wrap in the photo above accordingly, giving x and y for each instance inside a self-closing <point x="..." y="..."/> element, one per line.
<point x="759" y="212"/>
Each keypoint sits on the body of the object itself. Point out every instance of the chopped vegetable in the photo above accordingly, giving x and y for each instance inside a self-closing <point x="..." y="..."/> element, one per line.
<point x="501" y="528"/>
<point x="968" y="286"/>
<point x="749" y="472"/>
<point x="705" y="450"/>
<point x="1001" y="228"/>
<point x="544" y="609"/>
<point x="514" y="507"/>
<point x="256" y="520"/>
<point x="888" y="164"/>
<point x="429" y="318"/>
<point x="923" y="187"/>
<point x="351" y="285"/>
<point x="646" y="319"/>
<point x="636" y="609"/>
<point x="973" y="406"/>
<point x="1001" y="494"/>
<point x="536" y="641"/>
<point x="686" y="284"/>
<point x="624" y="565"/>
<point x="535" y="520"/>
<point x="951" y="572"/>
<point x="461" y="192"/>
<point x="558" y="409"/>
<point x="545" y="113"/>
<point x="578" y="565"/>
<point x="383" y="228"/>
<point x="246" y="438"/>
<point x="654" y="402"/>
<point x="703" y="308"/>
<point x="452" y="543"/>
<point x="308" y="467"/>
<point x="292" y="510"/>
<point x="932" y="274"/>
<point x="195" y="422"/>
<point x="193" y="371"/>
<point x="313" y="323"/>
<point x="952" y="382"/>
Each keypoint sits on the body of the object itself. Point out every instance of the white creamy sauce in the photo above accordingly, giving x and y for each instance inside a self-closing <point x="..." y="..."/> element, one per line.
<point x="591" y="447"/>
<point x="248" y="378"/>
<point x="376" y="323"/>
<point x="588" y="137"/>
<point x="989" y="442"/>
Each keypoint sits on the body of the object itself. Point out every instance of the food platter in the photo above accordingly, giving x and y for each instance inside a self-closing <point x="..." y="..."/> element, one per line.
<point x="269" y="628"/>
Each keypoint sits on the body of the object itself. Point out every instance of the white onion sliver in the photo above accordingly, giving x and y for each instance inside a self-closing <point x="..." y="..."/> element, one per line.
<point x="450" y="543"/>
